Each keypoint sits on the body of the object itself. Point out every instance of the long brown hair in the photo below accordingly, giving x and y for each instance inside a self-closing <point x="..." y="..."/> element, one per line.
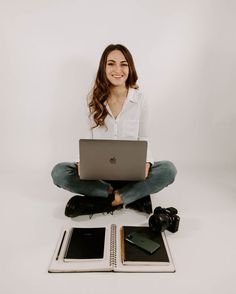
<point x="101" y="88"/>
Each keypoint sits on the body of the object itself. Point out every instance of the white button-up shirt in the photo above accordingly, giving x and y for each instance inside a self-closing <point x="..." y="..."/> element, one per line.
<point x="130" y="124"/>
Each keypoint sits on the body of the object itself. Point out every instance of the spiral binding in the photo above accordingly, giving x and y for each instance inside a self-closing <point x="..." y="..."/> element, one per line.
<point x="113" y="246"/>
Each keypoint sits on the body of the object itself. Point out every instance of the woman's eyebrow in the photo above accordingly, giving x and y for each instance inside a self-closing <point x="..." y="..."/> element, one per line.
<point x="123" y="61"/>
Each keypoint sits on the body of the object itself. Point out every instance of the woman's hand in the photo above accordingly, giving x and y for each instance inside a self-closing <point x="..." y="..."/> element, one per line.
<point x="148" y="165"/>
<point x="78" y="167"/>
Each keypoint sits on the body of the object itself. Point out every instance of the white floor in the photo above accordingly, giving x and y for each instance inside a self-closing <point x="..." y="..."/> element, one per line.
<point x="204" y="248"/>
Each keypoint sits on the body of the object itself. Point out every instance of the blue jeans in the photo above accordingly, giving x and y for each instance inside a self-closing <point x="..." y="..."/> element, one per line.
<point x="162" y="173"/>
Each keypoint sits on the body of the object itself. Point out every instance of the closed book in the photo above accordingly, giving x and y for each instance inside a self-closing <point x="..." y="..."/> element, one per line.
<point x="134" y="255"/>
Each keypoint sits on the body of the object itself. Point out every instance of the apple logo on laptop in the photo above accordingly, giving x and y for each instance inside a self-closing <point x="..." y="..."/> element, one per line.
<point x="112" y="160"/>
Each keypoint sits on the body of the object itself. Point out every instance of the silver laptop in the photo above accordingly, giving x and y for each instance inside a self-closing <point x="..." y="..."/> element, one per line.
<point x="119" y="160"/>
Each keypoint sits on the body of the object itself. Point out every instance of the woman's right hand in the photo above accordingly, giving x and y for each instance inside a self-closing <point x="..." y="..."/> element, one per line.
<point x="78" y="167"/>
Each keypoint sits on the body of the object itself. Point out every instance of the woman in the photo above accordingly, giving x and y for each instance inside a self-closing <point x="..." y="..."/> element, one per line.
<point x="117" y="111"/>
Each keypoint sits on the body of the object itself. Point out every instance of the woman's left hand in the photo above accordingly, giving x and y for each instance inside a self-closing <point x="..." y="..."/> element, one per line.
<point x="148" y="165"/>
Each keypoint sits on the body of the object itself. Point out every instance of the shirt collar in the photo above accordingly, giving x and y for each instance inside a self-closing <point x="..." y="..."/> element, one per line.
<point x="131" y="95"/>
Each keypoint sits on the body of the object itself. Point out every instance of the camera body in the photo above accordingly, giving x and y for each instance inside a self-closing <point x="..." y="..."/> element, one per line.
<point x="164" y="219"/>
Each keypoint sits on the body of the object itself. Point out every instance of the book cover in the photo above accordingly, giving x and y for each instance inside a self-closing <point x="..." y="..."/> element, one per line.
<point x="135" y="254"/>
<point x="85" y="243"/>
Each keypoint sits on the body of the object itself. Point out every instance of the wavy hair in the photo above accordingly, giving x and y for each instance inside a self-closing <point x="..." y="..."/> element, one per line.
<point x="101" y="89"/>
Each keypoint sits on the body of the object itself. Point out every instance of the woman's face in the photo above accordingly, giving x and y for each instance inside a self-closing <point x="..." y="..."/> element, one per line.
<point x="117" y="69"/>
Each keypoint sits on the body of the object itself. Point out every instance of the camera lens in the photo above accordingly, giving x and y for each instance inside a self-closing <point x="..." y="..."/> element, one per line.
<point x="158" y="222"/>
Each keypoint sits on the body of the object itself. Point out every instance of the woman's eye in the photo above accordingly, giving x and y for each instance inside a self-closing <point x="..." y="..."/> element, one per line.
<point x="124" y="64"/>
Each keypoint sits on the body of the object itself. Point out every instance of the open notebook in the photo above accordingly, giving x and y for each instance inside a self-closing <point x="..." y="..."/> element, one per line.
<point x="81" y="249"/>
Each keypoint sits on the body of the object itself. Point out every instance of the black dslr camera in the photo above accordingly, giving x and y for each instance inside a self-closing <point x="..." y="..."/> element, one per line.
<point x="164" y="219"/>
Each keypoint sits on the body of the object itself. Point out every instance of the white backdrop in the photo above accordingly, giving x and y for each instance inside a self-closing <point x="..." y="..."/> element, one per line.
<point x="184" y="53"/>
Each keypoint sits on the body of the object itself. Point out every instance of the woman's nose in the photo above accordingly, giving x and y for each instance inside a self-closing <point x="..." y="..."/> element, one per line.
<point x="117" y="68"/>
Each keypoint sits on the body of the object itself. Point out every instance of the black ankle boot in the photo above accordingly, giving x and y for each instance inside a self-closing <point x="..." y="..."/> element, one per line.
<point x="89" y="205"/>
<point x="143" y="204"/>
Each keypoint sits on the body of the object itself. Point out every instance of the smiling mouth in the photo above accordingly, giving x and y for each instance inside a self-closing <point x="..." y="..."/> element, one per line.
<point x="117" y="77"/>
